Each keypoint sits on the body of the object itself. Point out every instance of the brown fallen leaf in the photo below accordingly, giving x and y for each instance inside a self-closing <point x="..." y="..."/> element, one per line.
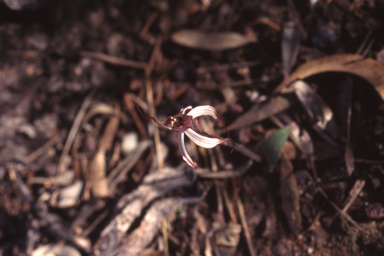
<point x="369" y="69"/>
<point x="260" y="112"/>
<point x="290" y="196"/>
<point x="210" y="41"/>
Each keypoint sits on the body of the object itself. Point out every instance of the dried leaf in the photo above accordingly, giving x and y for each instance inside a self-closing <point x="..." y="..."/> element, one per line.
<point x="270" y="147"/>
<point x="369" y="69"/>
<point x="349" y="159"/>
<point x="317" y="110"/>
<point x="210" y="41"/>
<point x="290" y="196"/>
<point x="260" y="112"/>
<point x="290" y="45"/>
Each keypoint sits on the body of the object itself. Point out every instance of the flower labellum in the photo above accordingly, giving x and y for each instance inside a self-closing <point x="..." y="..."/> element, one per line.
<point x="183" y="122"/>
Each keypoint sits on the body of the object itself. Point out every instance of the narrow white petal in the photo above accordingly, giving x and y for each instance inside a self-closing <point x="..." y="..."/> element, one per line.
<point x="183" y="110"/>
<point x="184" y="152"/>
<point x="203" y="111"/>
<point x="203" y="141"/>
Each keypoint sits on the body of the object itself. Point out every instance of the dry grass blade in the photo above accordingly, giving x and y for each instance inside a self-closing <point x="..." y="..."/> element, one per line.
<point x="135" y="116"/>
<point x="121" y="170"/>
<point x="101" y="109"/>
<point x="74" y="130"/>
<point x="210" y="41"/>
<point x="245" y="227"/>
<point x="355" y="191"/>
<point x="346" y="215"/>
<point x="345" y="113"/>
<point x="152" y="110"/>
<point x="35" y="154"/>
<point x="113" y="60"/>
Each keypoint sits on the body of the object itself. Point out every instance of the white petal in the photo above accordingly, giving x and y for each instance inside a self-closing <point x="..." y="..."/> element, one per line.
<point x="203" y="141"/>
<point x="183" y="110"/>
<point x="203" y="111"/>
<point x="184" y="152"/>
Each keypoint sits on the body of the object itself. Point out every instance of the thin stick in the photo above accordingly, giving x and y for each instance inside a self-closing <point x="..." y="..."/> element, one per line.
<point x="245" y="227"/>
<point x="243" y="150"/>
<point x="148" y="24"/>
<point x="40" y="151"/>
<point x="152" y="111"/>
<point x="135" y="116"/>
<point x="164" y="225"/>
<point x="75" y="128"/>
<point x="113" y="60"/>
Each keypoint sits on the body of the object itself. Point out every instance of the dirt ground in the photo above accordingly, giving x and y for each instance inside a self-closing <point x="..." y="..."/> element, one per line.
<point x="299" y="86"/>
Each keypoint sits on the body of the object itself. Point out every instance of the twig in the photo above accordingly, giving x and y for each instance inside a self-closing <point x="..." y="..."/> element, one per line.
<point x="148" y="24"/>
<point x="355" y="191"/>
<point x="346" y="215"/>
<point x="224" y="174"/>
<point x="152" y="111"/>
<point x="53" y="223"/>
<point x="223" y="67"/>
<point x="245" y="227"/>
<point x="229" y="204"/>
<point x="75" y="128"/>
<point x="40" y="151"/>
<point x="339" y="210"/>
<point x="255" y="157"/>
<point x="135" y="116"/>
<point x="96" y="222"/>
<point x="114" y="60"/>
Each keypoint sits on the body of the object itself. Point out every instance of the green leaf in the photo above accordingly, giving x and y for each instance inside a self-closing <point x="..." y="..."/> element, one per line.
<point x="270" y="147"/>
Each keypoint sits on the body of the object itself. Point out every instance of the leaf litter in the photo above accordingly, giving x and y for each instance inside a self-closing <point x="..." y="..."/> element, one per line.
<point x="321" y="195"/>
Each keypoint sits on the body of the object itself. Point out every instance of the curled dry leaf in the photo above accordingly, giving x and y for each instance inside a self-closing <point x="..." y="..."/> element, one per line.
<point x="369" y="69"/>
<point x="210" y="41"/>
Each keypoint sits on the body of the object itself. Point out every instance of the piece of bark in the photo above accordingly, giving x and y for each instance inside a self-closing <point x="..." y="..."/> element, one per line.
<point x="290" y="196"/>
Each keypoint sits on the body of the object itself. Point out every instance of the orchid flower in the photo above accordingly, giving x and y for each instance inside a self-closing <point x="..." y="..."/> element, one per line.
<point x="186" y="123"/>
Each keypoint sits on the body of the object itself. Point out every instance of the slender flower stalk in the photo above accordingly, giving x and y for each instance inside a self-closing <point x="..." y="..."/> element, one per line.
<point x="186" y="122"/>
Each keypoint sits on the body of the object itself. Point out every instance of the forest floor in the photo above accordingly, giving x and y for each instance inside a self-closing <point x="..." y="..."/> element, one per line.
<point x="299" y="85"/>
